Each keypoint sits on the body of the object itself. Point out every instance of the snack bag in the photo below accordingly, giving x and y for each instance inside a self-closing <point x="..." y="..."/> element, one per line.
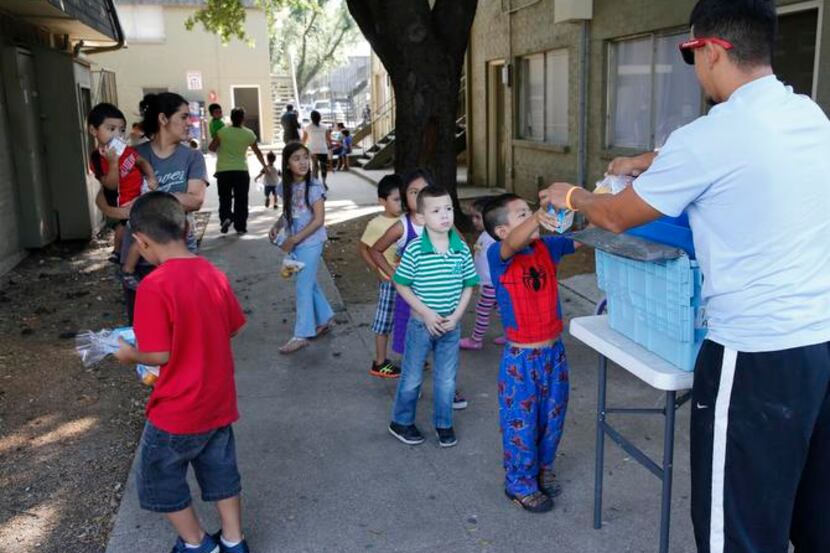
<point x="290" y="266"/>
<point x="93" y="347"/>
<point x="613" y="184"/>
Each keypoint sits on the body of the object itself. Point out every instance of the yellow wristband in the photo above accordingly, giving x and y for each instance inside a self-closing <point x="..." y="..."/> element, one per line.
<point x="568" y="199"/>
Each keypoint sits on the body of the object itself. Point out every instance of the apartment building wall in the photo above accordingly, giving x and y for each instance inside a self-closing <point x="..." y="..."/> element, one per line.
<point x="45" y="192"/>
<point x="152" y="63"/>
<point x="495" y="108"/>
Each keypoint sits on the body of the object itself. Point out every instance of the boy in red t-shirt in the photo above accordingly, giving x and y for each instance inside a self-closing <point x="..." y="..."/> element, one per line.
<point x="533" y="377"/>
<point x="121" y="172"/>
<point x="185" y="316"/>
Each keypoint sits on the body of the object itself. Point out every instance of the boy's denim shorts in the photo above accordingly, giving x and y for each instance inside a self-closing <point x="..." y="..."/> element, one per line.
<point x="162" y="468"/>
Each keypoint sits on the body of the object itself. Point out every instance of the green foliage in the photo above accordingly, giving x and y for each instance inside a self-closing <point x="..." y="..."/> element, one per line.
<point x="225" y="18"/>
<point x="315" y="34"/>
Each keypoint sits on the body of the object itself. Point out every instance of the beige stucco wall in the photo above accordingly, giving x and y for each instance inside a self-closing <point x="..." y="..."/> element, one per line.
<point x="148" y="65"/>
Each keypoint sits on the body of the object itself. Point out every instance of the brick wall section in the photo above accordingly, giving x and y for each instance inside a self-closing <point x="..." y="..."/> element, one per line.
<point x="533" y="30"/>
<point x="90" y="12"/>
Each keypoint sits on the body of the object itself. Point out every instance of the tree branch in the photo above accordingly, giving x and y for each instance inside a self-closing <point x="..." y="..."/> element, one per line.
<point x="315" y="69"/>
<point x="301" y="62"/>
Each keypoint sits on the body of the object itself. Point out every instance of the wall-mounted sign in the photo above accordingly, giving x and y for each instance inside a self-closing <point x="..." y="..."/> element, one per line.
<point x="194" y="80"/>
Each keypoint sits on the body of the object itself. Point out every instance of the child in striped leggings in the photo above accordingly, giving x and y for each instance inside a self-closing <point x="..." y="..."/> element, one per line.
<point x="487" y="294"/>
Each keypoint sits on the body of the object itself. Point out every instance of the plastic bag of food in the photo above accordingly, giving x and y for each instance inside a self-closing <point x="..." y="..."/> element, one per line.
<point x="291" y="266"/>
<point x="613" y="184"/>
<point x="93" y="347"/>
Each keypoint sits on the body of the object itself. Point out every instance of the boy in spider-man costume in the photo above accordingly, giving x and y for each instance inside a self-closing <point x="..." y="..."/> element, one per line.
<point x="533" y="377"/>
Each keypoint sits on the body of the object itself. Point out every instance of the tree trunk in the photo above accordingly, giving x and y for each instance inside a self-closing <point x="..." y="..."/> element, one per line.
<point x="423" y="50"/>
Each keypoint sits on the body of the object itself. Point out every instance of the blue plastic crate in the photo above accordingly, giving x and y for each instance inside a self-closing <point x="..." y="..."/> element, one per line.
<point x="672" y="231"/>
<point x="656" y="304"/>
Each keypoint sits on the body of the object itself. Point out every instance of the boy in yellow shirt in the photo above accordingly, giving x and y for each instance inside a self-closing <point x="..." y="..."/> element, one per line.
<point x="390" y="198"/>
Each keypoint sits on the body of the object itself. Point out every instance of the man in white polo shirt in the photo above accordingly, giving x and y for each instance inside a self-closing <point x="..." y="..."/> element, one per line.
<point x="754" y="177"/>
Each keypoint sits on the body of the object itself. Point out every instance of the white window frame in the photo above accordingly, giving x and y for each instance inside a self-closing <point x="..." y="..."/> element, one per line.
<point x="610" y="91"/>
<point x="545" y="88"/>
<point x="803" y="7"/>
<point x="128" y="11"/>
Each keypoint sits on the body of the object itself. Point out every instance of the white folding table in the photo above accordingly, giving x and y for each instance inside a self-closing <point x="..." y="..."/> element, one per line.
<point x="656" y="372"/>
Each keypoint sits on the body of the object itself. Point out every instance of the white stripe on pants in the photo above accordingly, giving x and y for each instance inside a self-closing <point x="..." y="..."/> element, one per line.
<point x="727" y="377"/>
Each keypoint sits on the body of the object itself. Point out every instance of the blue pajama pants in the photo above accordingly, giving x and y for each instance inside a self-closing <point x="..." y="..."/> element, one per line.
<point x="533" y="398"/>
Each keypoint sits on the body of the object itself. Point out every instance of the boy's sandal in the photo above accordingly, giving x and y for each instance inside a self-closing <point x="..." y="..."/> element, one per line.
<point x="294" y="344"/>
<point x="549" y="485"/>
<point x="536" y="502"/>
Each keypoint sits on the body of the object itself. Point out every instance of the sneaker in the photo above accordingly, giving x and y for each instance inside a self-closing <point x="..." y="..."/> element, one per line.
<point x="446" y="437"/>
<point x="129" y="280"/>
<point x="408" y="434"/>
<point x="458" y="401"/>
<point x="208" y="545"/>
<point x="469" y="343"/>
<point x="385" y="370"/>
<point x="226" y="224"/>
<point x="499" y="340"/>
<point x="241" y="232"/>
<point x="241" y="547"/>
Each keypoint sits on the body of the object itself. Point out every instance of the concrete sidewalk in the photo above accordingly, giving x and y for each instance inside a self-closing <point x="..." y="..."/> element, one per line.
<point x="321" y="473"/>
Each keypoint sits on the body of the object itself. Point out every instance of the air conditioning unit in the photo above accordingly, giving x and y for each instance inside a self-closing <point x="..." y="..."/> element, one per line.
<point x="572" y="10"/>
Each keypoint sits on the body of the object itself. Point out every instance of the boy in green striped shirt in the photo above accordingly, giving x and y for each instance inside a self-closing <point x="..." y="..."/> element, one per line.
<point x="436" y="277"/>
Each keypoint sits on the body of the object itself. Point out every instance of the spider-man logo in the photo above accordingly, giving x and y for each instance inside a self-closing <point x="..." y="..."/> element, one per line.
<point x="535" y="279"/>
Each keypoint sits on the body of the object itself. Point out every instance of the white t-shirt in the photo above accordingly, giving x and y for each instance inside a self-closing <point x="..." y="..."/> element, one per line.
<point x="317" y="139"/>
<point x="480" y="257"/>
<point x="754" y="175"/>
<point x="401" y="243"/>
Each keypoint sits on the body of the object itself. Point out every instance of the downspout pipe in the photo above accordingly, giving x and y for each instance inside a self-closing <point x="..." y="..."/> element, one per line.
<point x="584" y="72"/>
<point x="119" y="34"/>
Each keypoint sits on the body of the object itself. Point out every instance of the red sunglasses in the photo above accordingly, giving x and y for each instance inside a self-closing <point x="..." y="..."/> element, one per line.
<point x="687" y="48"/>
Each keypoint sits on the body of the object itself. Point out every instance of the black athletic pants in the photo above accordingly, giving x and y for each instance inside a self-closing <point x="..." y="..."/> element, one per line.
<point x="760" y="447"/>
<point x="233" y="187"/>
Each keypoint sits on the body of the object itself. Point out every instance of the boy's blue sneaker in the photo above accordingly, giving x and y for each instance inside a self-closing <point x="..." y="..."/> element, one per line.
<point x="208" y="545"/>
<point x="241" y="547"/>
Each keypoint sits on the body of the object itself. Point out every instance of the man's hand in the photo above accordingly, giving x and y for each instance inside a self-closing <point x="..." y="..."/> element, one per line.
<point x="623" y="166"/>
<point x="126" y="354"/>
<point x="434" y="323"/>
<point x="554" y="195"/>
<point x="634" y="166"/>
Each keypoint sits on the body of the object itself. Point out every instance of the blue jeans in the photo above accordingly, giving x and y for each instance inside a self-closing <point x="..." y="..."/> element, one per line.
<point x="313" y="308"/>
<point x="444" y="349"/>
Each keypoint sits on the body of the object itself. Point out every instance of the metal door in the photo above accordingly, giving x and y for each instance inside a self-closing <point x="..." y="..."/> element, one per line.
<point x="37" y="217"/>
